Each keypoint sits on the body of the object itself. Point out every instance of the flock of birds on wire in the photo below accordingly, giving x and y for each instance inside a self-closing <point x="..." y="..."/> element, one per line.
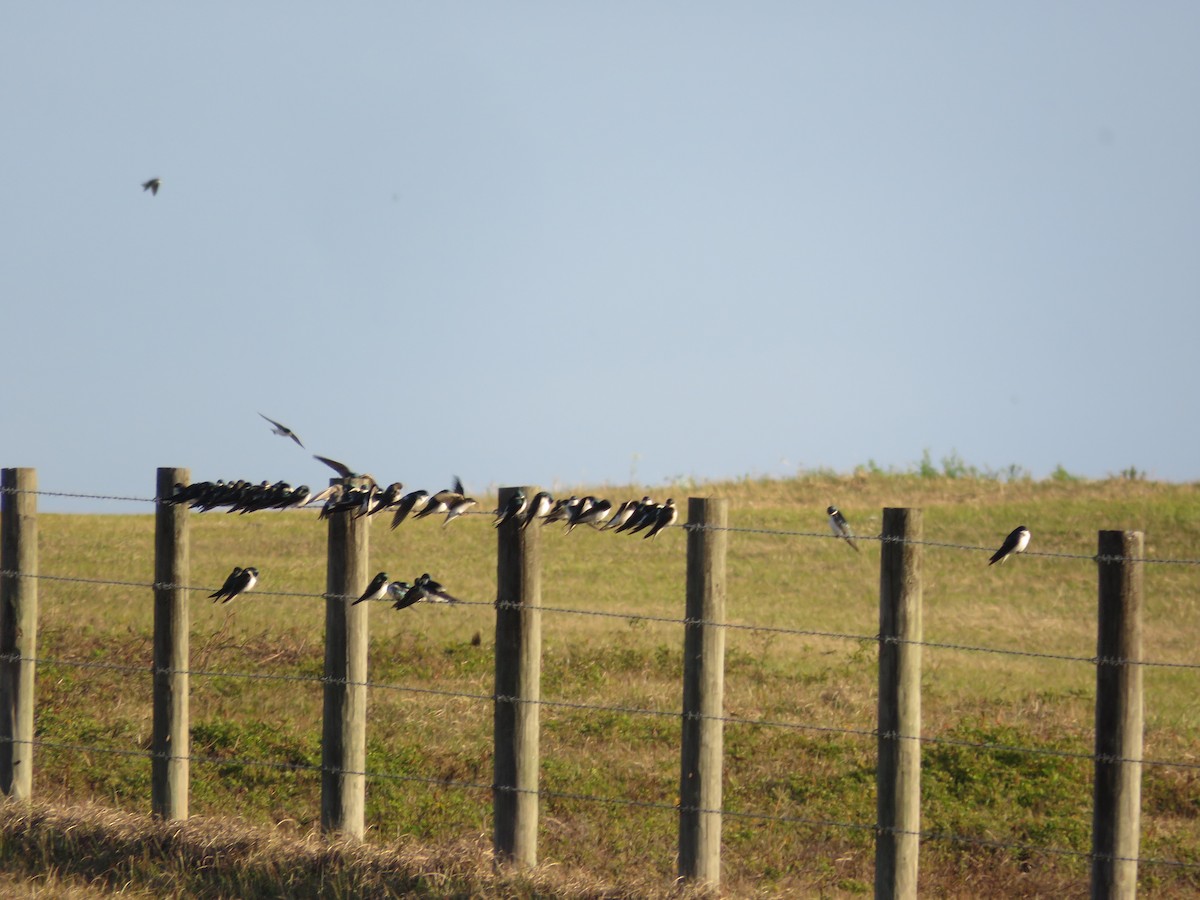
<point x="368" y="499"/>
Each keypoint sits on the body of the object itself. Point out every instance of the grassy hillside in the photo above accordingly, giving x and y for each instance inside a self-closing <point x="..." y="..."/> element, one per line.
<point x="422" y="742"/>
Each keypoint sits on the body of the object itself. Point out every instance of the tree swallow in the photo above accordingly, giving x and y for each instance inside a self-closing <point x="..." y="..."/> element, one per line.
<point x="456" y="507"/>
<point x="424" y="588"/>
<point x="282" y="430"/>
<point x="539" y="508"/>
<point x="239" y="581"/>
<point x="840" y="527"/>
<point x="152" y="186"/>
<point x="1016" y="542"/>
<point x="407" y="504"/>
<point x="667" y="514"/>
<point x="376" y="590"/>
<point x="645" y="515"/>
<point x="516" y="505"/>
<point x="624" y="511"/>
<point x="593" y="514"/>
<point x="342" y="469"/>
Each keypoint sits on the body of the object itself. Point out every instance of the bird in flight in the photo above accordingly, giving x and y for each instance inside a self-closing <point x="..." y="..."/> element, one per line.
<point x="239" y="581"/>
<point x="1016" y="542"/>
<point x="282" y="430"/>
<point x="840" y="526"/>
<point x="341" y="468"/>
<point x="152" y="186"/>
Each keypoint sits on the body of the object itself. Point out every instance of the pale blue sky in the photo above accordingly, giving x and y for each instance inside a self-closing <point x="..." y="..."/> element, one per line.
<point x="561" y="242"/>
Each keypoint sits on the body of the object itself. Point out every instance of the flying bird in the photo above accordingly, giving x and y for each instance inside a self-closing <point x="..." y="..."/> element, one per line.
<point x="1016" y="542"/>
<point x="239" y="581"/>
<point x="282" y="430"/>
<point x="342" y="468"/>
<point x="840" y="526"/>
<point x="456" y="508"/>
<point x="376" y="590"/>
<point x="152" y="186"/>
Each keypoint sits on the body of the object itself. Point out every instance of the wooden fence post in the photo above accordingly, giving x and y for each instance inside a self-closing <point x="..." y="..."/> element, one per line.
<point x="344" y="726"/>
<point x="898" y="773"/>
<point x="1117" y="789"/>
<point x="18" y="629"/>
<point x="517" y="756"/>
<point x="703" y="693"/>
<point x="170" y="744"/>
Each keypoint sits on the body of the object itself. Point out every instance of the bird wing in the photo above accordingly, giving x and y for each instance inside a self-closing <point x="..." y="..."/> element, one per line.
<point x="338" y="467"/>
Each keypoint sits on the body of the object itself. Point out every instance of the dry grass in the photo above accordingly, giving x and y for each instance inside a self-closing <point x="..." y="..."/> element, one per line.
<point x="1033" y="604"/>
<point x="82" y="851"/>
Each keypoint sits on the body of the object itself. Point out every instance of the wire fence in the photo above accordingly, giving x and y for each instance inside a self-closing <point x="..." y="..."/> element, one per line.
<point x="732" y="529"/>
<point x="622" y="709"/>
<point x="643" y="617"/>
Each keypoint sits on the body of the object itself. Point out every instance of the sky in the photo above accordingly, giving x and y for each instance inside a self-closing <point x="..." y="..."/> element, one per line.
<point x="555" y="244"/>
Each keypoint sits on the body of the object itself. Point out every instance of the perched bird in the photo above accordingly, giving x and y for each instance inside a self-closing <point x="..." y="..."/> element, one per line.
<point x="645" y="516"/>
<point x="1016" y="542"/>
<point x="840" y="527"/>
<point x="152" y="186"/>
<point x="624" y="511"/>
<point x="407" y="503"/>
<point x="442" y="501"/>
<point x="516" y="505"/>
<point x="333" y="497"/>
<point x="594" y="514"/>
<point x="666" y="517"/>
<point x="298" y="498"/>
<point x="561" y="511"/>
<point x="376" y="590"/>
<point x="282" y="430"/>
<point x="539" y="508"/>
<point x="369" y="501"/>
<point x="424" y="588"/>
<point x="239" y="581"/>
<point x="389" y="496"/>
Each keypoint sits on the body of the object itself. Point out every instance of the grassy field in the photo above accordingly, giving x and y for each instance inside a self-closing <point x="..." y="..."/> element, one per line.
<point x="422" y="745"/>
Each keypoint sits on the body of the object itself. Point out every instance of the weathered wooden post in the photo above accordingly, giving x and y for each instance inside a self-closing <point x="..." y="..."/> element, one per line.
<point x="1117" y="788"/>
<point x="517" y="757"/>
<point x="344" y="726"/>
<point x="18" y="629"/>
<point x="898" y="773"/>
<point x="170" y="743"/>
<point x="703" y="693"/>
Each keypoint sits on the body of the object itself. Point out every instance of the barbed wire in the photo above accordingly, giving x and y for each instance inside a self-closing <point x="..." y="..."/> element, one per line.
<point x="79" y="496"/>
<point x="660" y="806"/>
<point x="664" y="620"/>
<point x="737" y="529"/>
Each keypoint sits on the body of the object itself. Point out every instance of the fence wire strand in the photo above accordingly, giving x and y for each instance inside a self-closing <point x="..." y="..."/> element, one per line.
<point x="643" y="617"/>
<point x="595" y="707"/>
